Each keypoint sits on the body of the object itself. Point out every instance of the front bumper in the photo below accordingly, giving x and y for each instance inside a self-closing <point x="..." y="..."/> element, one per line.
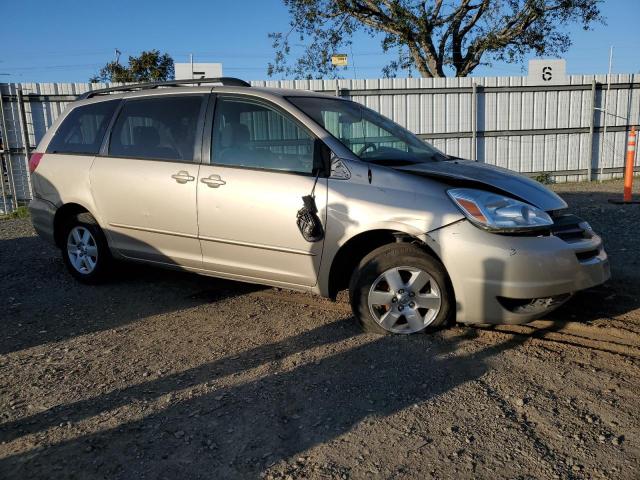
<point x="42" y="216"/>
<point x="491" y="273"/>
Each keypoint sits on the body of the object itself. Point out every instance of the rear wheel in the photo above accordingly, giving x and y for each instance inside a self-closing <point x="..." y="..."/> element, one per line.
<point x="400" y="289"/>
<point x="85" y="251"/>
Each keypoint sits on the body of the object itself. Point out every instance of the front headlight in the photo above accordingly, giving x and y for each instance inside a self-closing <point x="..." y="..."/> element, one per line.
<point x="496" y="212"/>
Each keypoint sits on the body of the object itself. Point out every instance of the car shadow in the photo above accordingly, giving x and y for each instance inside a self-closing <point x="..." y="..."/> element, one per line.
<point x="237" y="431"/>
<point x="43" y="303"/>
<point x="247" y="411"/>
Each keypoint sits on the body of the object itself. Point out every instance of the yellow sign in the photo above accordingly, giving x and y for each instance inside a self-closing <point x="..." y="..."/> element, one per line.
<point x="339" y="60"/>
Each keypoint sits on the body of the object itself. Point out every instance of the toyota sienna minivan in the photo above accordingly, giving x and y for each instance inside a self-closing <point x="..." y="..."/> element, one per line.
<point x="305" y="191"/>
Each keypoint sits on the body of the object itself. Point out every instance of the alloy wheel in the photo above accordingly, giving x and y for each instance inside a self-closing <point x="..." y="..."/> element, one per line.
<point x="404" y="300"/>
<point x="82" y="250"/>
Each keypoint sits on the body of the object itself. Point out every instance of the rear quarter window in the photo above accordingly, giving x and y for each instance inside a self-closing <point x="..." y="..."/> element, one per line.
<point x="82" y="131"/>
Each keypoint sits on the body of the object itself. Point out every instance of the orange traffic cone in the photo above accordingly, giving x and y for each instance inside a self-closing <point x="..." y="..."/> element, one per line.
<point x="628" y="170"/>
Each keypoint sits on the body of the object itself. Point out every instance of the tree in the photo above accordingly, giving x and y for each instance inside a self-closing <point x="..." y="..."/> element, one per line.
<point x="434" y="36"/>
<point x="150" y="66"/>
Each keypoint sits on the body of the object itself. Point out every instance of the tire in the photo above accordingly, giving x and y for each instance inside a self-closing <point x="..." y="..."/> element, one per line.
<point x="400" y="289"/>
<point x="92" y="262"/>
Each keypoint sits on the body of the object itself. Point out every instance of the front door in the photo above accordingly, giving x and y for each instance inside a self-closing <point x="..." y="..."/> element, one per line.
<point x="145" y="185"/>
<point x="249" y="194"/>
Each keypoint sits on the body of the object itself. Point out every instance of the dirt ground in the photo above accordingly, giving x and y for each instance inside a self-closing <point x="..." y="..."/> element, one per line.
<point x="170" y="375"/>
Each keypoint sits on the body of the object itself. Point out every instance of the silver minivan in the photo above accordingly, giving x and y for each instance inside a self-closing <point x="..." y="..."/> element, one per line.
<point x="309" y="192"/>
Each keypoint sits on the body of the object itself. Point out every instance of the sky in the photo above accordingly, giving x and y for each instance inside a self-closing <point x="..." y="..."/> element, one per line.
<point x="68" y="41"/>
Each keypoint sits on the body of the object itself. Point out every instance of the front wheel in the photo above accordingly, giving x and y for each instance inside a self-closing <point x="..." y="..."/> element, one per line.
<point x="400" y="289"/>
<point x="85" y="251"/>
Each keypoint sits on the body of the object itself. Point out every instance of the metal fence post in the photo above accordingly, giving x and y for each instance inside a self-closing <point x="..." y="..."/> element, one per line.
<point x="5" y="135"/>
<point x="4" y="146"/>
<point x="474" y="122"/>
<point x="25" y="136"/>
<point x="605" y="112"/>
<point x="591" y="128"/>
<point x="4" y="196"/>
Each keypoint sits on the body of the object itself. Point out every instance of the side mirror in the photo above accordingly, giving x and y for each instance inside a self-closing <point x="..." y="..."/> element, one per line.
<point x="321" y="157"/>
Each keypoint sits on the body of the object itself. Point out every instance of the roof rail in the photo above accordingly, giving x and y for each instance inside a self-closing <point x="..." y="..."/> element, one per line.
<point x="225" y="81"/>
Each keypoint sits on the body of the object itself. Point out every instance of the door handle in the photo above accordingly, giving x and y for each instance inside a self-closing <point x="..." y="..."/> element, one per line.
<point x="183" y="177"/>
<point x="214" y="181"/>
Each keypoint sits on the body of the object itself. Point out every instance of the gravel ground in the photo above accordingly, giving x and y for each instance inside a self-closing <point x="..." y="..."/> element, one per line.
<point x="171" y="375"/>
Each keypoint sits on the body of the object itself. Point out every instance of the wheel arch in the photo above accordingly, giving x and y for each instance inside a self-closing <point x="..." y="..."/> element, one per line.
<point x="357" y="247"/>
<point x="64" y="213"/>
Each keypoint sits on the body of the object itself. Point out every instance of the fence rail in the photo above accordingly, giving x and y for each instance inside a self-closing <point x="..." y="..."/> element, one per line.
<point x="558" y="129"/>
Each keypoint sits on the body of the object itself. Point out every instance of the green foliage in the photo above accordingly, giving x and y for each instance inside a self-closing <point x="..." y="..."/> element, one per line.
<point x="20" y="212"/>
<point x="432" y="36"/>
<point x="150" y="66"/>
<point x="546" y="178"/>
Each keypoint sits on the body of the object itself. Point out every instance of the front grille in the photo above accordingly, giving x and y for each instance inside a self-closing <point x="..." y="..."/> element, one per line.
<point x="588" y="255"/>
<point x="569" y="234"/>
<point x="567" y="227"/>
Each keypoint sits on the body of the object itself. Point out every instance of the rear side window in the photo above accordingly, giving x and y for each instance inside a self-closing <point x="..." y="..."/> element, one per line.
<point x="83" y="129"/>
<point x="157" y="128"/>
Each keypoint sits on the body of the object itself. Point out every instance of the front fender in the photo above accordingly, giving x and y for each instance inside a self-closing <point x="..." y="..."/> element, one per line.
<point x="393" y="201"/>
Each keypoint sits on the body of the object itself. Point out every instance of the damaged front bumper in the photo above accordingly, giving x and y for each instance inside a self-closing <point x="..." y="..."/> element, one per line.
<point x="512" y="279"/>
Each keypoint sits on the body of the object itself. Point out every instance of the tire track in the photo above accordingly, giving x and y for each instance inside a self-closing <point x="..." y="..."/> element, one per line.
<point x="615" y="340"/>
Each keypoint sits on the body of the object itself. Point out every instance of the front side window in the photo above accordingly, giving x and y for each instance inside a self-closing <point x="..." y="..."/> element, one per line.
<point x="83" y="129"/>
<point x="371" y="136"/>
<point x="250" y="134"/>
<point x="162" y="128"/>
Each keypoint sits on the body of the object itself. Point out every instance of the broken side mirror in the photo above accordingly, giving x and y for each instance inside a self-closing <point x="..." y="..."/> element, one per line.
<point x="321" y="158"/>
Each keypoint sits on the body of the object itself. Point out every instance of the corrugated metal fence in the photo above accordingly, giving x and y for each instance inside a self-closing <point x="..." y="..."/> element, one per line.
<point x="557" y="129"/>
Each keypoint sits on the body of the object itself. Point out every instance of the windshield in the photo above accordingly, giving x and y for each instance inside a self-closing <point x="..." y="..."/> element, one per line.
<point x="371" y="136"/>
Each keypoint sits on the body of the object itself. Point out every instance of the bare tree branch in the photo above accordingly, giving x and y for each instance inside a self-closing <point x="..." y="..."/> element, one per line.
<point x="441" y="37"/>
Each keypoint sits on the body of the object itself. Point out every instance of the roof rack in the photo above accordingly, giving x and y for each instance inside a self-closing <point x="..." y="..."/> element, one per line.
<point x="225" y="81"/>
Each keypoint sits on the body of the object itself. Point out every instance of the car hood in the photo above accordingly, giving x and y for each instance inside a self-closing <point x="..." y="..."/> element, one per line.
<point x="496" y="178"/>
